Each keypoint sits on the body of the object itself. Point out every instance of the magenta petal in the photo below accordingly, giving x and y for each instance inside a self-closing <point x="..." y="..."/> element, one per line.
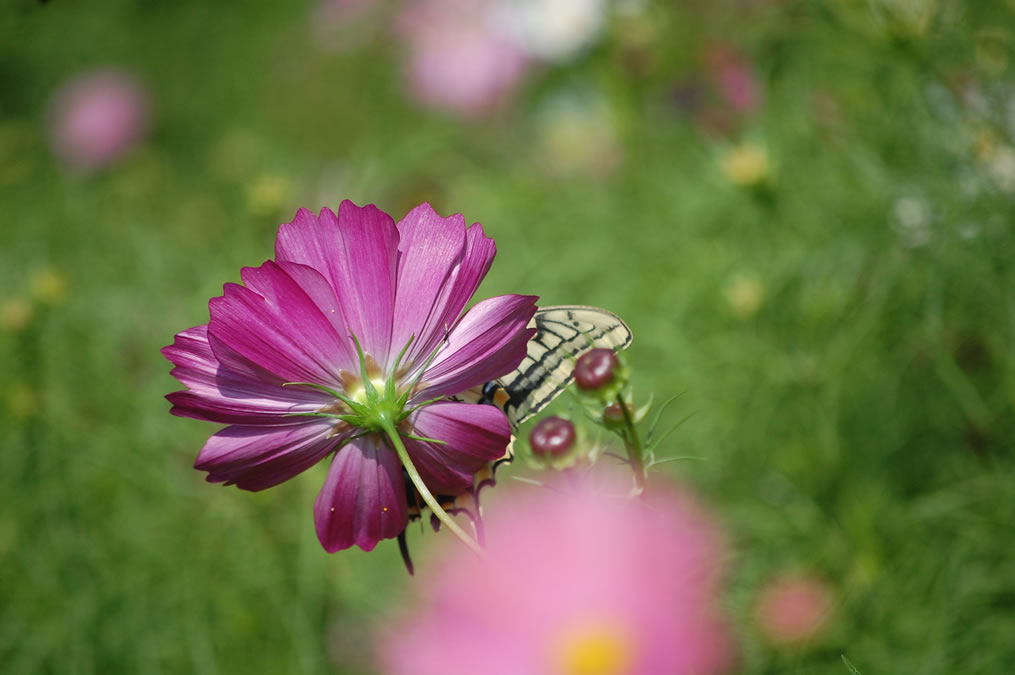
<point x="429" y="250"/>
<point x="488" y="342"/>
<point x="363" y="498"/>
<point x="357" y="252"/>
<point x="473" y="435"/>
<point x="258" y="457"/>
<point x="278" y="325"/>
<point x="217" y="394"/>
<point x="459" y="287"/>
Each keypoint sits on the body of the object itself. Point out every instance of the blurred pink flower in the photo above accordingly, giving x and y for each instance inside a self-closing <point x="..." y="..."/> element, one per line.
<point x="793" y="608"/>
<point x="580" y="581"/>
<point x="96" y="117"/>
<point x="457" y="62"/>
<point x="735" y="79"/>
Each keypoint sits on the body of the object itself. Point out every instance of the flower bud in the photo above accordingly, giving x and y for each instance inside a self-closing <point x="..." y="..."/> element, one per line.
<point x="553" y="436"/>
<point x="595" y="369"/>
<point x="613" y="415"/>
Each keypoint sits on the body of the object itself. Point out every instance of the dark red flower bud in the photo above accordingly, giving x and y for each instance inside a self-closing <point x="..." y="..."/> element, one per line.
<point x="595" y="368"/>
<point x="552" y="436"/>
<point x="613" y="415"/>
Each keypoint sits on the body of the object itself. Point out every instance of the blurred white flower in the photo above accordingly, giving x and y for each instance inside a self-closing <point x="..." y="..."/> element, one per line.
<point x="1000" y="166"/>
<point x="912" y="216"/>
<point x="911" y="212"/>
<point x="552" y="30"/>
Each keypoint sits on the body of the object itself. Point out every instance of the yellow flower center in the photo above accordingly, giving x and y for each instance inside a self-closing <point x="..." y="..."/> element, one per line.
<point x="596" y="649"/>
<point x="359" y="392"/>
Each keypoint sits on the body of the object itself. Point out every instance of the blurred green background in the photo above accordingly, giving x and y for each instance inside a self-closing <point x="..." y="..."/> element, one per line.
<point x="802" y="209"/>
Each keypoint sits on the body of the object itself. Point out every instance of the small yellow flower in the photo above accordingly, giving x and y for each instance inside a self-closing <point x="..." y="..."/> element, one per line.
<point x="746" y="165"/>
<point x="15" y="314"/>
<point x="745" y="295"/>
<point x="48" y="286"/>
<point x="267" y="194"/>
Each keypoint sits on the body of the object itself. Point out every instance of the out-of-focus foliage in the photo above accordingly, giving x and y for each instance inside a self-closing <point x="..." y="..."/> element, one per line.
<point x="802" y="209"/>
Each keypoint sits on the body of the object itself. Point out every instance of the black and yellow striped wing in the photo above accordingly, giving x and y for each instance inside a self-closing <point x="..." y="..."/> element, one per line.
<point x="563" y="333"/>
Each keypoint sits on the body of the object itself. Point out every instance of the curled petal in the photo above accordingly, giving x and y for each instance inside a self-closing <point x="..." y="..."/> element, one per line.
<point x="488" y="342"/>
<point x="259" y="457"/>
<point x="217" y="394"/>
<point x="357" y="252"/>
<point x="429" y="252"/>
<point x="363" y="498"/>
<point x="473" y="435"/>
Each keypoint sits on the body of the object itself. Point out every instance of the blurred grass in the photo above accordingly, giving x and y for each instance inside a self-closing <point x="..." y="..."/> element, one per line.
<point x="852" y="379"/>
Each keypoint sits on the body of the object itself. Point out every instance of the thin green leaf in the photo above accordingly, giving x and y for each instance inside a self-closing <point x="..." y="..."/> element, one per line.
<point x="669" y="431"/>
<point x="850" y="666"/>
<point x="659" y="414"/>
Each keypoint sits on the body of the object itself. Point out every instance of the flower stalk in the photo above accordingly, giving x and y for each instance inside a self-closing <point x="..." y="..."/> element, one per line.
<point x="632" y="442"/>
<point x="424" y="492"/>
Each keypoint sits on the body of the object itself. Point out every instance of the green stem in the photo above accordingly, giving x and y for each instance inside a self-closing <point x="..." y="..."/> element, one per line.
<point x="633" y="443"/>
<point x="417" y="481"/>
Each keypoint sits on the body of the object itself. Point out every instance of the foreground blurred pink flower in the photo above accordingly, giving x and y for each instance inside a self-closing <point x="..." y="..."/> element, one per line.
<point x="577" y="582"/>
<point x="332" y="347"/>
<point x="793" y="609"/>
<point x="457" y="61"/>
<point x="96" y="117"/>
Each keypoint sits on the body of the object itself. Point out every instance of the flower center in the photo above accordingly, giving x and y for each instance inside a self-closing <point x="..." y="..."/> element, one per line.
<point x="595" y="649"/>
<point x="359" y="392"/>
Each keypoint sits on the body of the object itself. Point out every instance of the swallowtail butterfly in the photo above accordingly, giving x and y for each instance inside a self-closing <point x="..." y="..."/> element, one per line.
<point x="563" y="333"/>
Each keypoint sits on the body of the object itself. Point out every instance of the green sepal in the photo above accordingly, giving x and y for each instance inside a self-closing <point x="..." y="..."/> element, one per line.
<point x="315" y="414"/>
<point x="421" y="405"/>
<point x="368" y="386"/>
<point x="424" y="439"/>
<point x="404" y="399"/>
<point x="355" y="406"/>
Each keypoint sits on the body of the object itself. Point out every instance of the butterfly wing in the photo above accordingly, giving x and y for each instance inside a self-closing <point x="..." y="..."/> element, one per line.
<point x="563" y="333"/>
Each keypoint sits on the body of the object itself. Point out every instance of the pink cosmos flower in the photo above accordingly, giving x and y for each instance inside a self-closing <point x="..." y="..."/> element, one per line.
<point x="96" y="117"/>
<point x="289" y="357"/>
<point x="458" y="62"/>
<point x="794" y="608"/>
<point x="576" y="581"/>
